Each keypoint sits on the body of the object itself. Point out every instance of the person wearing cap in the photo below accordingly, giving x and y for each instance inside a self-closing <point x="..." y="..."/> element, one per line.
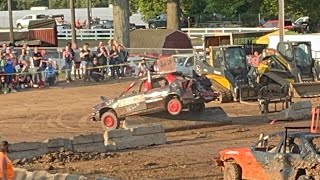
<point x="6" y="167"/>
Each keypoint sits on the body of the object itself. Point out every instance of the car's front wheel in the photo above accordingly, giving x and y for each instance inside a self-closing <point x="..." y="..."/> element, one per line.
<point x="109" y="121"/>
<point x="232" y="171"/>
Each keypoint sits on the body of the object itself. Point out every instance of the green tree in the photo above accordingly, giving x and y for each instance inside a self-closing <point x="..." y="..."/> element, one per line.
<point x="27" y="4"/>
<point x="58" y="4"/>
<point x="3" y="5"/>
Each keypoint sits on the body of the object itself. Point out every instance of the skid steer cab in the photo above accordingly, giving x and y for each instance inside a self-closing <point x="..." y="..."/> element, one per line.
<point x="228" y="69"/>
<point x="304" y="69"/>
<point x="291" y="154"/>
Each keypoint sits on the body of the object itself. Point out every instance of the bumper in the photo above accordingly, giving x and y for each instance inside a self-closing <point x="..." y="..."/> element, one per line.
<point x="95" y="116"/>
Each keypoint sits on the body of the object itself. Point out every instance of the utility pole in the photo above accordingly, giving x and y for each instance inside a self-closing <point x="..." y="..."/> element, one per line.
<point x="10" y="21"/>
<point x="88" y="13"/>
<point x="73" y="24"/>
<point x="281" y="20"/>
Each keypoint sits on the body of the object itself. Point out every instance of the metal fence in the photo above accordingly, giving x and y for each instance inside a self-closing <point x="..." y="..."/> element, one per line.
<point x="97" y="34"/>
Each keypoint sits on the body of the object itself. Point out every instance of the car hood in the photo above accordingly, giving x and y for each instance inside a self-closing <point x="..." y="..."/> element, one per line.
<point x="234" y="151"/>
<point x="152" y="19"/>
<point x="102" y="104"/>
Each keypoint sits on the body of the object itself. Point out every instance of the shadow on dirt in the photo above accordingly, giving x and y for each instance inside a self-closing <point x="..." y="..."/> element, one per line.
<point x="212" y="117"/>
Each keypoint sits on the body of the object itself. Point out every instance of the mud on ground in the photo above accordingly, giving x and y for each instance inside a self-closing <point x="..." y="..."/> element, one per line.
<point x="64" y="111"/>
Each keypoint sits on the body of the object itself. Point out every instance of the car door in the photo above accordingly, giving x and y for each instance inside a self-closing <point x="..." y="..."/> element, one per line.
<point x="131" y="102"/>
<point x="25" y="21"/>
<point x="162" y="21"/>
<point x="155" y="97"/>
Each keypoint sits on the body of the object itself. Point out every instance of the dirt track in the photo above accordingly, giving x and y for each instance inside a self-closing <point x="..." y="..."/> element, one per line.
<point x="63" y="112"/>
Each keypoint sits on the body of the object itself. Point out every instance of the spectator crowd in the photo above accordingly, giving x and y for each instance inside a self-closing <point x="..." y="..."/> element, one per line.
<point x="30" y="68"/>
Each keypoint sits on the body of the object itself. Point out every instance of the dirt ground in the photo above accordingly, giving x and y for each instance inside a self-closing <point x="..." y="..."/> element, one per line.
<point x="63" y="111"/>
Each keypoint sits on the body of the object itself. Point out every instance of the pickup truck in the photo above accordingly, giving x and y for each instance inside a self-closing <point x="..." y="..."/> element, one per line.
<point x="24" y="22"/>
<point x="161" y="22"/>
<point x="185" y="63"/>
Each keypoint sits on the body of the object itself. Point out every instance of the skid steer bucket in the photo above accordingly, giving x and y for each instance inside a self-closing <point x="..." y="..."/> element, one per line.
<point x="306" y="90"/>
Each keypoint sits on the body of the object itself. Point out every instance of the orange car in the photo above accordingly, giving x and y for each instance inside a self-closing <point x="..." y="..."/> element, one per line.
<point x="281" y="156"/>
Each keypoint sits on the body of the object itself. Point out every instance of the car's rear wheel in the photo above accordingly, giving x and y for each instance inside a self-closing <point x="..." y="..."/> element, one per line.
<point x="109" y="121"/>
<point x="232" y="171"/>
<point x="19" y="26"/>
<point x="174" y="106"/>
<point x="197" y="107"/>
<point x="152" y="26"/>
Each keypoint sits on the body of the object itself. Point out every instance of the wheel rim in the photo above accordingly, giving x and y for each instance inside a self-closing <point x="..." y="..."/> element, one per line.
<point x="174" y="106"/>
<point x="108" y="121"/>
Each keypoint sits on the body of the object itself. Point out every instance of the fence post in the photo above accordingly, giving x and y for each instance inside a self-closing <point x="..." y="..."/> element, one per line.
<point x="95" y="34"/>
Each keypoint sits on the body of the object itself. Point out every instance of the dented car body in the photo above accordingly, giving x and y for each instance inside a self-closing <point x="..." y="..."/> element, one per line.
<point x="291" y="155"/>
<point x="160" y="92"/>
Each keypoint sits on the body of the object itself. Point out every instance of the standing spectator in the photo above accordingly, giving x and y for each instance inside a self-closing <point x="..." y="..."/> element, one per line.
<point x="254" y="63"/>
<point x="95" y="73"/>
<point x="4" y="48"/>
<point x="142" y="68"/>
<point x="6" y="167"/>
<point x="114" y="55"/>
<point x="8" y="70"/>
<point x="122" y="57"/>
<point x="37" y="63"/>
<point x="102" y="54"/>
<point x="85" y="60"/>
<point x="76" y="62"/>
<point x="50" y="74"/>
<point x="68" y="59"/>
<point x="57" y="68"/>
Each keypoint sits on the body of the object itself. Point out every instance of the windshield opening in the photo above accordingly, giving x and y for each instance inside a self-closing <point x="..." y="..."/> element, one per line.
<point x="303" y="58"/>
<point x="235" y="58"/>
<point x="179" y="60"/>
<point x="314" y="142"/>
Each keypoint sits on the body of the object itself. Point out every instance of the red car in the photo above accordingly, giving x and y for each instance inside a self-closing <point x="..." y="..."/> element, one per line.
<point x="275" y="24"/>
<point x="281" y="156"/>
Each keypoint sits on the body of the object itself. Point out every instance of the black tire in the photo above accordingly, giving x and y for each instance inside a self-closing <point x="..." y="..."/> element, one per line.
<point x="109" y="121"/>
<point x="174" y="106"/>
<point x="232" y="171"/>
<point x="303" y="177"/>
<point x="197" y="107"/>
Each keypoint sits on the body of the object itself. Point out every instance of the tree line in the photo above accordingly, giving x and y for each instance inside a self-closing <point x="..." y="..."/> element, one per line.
<point x="201" y="10"/>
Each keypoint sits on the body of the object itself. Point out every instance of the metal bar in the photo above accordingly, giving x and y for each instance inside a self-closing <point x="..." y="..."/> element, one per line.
<point x="281" y="20"/>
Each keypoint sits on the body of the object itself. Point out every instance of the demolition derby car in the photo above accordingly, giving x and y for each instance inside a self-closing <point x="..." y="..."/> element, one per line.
<point x="292" y="154"/>
<point x="172" y="92"/>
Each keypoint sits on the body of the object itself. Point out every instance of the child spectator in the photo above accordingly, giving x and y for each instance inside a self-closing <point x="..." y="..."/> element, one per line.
<point x="68" y="59"/>
<point x="85" y="60"/>
<point x="50" y="74"/>
<point x="95" y="72"/>
<point x="9" y="69"/>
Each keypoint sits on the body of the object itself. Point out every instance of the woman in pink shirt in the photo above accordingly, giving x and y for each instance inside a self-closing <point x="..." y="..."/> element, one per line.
<point x="254" y="63"/>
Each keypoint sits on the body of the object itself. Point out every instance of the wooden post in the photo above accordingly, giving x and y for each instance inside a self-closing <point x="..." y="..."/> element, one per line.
<point x="173" y="14"/>
<point x="121" y="22"/>
<point x="73" y="24"/>
<point x="11" y="35"/>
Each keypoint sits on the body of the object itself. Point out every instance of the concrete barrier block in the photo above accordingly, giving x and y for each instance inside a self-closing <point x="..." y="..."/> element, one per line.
<point x="55" y="144"/>
<point x="75" y="177"/>
<point x="117" y="133"/>
<point x="137" y="141"/>
<point x="103" y="178"/>
<point x="38" y="175"/>
<point x="25" y="146"/>
<point x="20" y="174"/>
<point x="298" y="114"/>
<point x="27" y="150"/>
<point x="147" y="130"/>
<point x="111" y="147"/>
<point x="301" y="105"/>
<point x="83" y="139"/>
<point x="90" y="147"/>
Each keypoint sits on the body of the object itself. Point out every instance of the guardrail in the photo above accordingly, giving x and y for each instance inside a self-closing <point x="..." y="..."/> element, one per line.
<point x="97" y="34"/>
